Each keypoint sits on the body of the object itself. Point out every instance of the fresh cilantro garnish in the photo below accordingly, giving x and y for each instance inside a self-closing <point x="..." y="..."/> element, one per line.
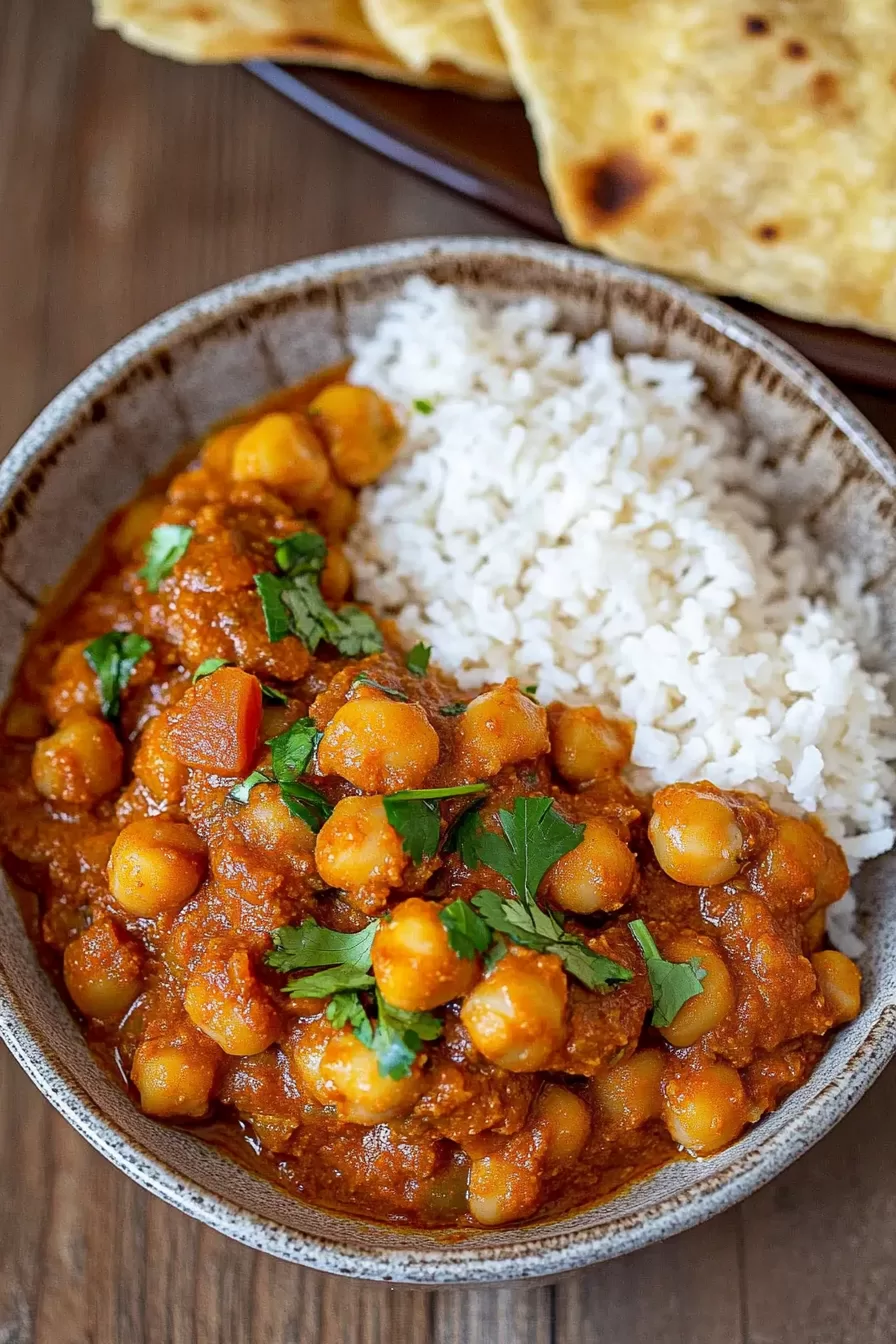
<point x="113" y="658"/>
<point x="526" y="923"/>
<point x="210" y="665"/>
<point x="276" y="617"/>
<point x="535" y="837"/>
<point x="334" y="980"/>
<point x="399" y="1037"/>
<point x="302" y="553"/>
<point x="362" y="679"/>
<point x="240" y="792"/>
<point x="414" y="814"/>
<point x="531" y="691"/>
<point x="167" y="543"/>
<point x="272" y="695"/>
<point x="417" y="661"/>
<point x="462" y="836"/>
<point x="311" y="944"/>
<point x="305" y="803"/>
<point x="292" y="602"/>
<point x="424" y="406"/>
<point x="672" y="983"/>
<point x="292" y="751"/>
<point x="346" y="1008"/>
<point x="468" y="933"/>
<point x="451" y="711"/>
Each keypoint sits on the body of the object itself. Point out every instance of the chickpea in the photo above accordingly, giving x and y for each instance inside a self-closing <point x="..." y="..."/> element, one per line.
<point x="596" y="875"/>
<point x="155" y="866"/>
<point x="73" y="683"/>
<point x="840" y="982"/>
<point x="266" y="821"/>
<point x="585" y="745"/>
<point x="629" y="1093"/>
<point x="359" y="429"/>
<point x="154" y="765"/>
<point x="305" y="1049"/>
<point x="174" y="1078"/>
<point x="500" y="1191"/>
<point x="80" y="763"/>
<point x="357" y="850"/>
<point x="360" y="1092"/>
<point x="282" y="452"/>
<point x="380" y="746"/>
<point x="516" y="1016"/>
<point x="801" y="857"/>
<point x="336" y="578"/>
<point x="565" y="1121"/>
<point x="695" y="835"/>
<point x="337" y="512"/>
<point x="705" y="1108"/>
<point x="415" y="966"/>
<point x="705" y="1011"/>
<point x="135" y="525"/>
<point x="103" y="970"/>
<point x="501" y="727"/>
<point x="219" y="448"/>
<point x="226" y="1000"/>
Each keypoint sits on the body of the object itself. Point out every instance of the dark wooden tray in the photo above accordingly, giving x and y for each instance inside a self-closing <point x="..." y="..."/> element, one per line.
<point x="485" y="151"/>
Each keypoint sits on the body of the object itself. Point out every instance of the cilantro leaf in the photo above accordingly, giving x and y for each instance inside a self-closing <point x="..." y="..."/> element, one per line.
<point x="417" y="661"/>
<point x="305" y="803"/>
<point x="113" y="658"/>
<point x="272" y="695"/>
<point x="526" y="923"/>
<point x="313" y="945"/>
<point x="302" y="553"/>
<point x="399" y="1037"/>
<point x="672" y="983"/>
<point x="166" y="544"/>
<point x="240" y="792"/>
<point x="451" y="711"/>
<point x="468" y="933"/>
<point x="463" y="836"/>
<point x="276" y="618"/>
<point x="292" y="751"/>
<point x="535" y="837"/>
<point x="414" y="814"/>
<point x="357" y="633"/>
<point x="345" y="1007"/>
<point x="424" y="406"/>
<point x="418" y="822"/>
<point x="210" y="665"/>
<point x="350" y="630"/>
<point x="362" y="679"/>
<point x="331" y="981"/>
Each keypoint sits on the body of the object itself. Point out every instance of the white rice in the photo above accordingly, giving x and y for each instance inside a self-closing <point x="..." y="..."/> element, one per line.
<point x="593" y="525"/>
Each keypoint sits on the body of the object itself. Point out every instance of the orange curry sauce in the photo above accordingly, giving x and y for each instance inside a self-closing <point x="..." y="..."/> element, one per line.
<point x="514" y="1084"/>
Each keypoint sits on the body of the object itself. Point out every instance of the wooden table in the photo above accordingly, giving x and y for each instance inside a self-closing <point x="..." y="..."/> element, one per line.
<point x="128" y="183"/>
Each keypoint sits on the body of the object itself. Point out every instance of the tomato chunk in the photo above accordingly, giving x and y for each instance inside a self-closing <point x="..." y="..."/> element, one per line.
<point x="215" y="726"/>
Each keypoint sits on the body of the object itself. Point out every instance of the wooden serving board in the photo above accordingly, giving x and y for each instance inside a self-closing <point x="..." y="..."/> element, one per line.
<point x="485" y="150"/>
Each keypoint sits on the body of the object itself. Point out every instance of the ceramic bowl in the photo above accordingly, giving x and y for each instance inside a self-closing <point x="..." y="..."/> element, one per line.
<point x="125" y="417"/>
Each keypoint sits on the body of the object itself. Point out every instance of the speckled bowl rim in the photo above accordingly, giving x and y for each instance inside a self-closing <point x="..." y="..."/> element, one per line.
<point x="542" y="1250"/>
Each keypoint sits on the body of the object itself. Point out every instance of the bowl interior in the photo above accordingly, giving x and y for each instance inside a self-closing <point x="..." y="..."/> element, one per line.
<point x="124" y="420"/>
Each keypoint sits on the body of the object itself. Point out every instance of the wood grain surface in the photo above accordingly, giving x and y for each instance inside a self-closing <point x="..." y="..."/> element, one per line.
<point x="127" y="184"/>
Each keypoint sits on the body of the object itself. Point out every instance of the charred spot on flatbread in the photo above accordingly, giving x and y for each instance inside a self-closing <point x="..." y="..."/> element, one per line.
<point x="756" y="26"/>
<point x="610" y="190"/>
<point x="659" y="121"/>
<point x="824" y="88"/>
<point x="768" y="233"/>
<point x="795" y="50"/>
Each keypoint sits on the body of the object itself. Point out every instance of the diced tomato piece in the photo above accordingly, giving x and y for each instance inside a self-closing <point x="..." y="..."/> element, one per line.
<point x="215" y="726"/>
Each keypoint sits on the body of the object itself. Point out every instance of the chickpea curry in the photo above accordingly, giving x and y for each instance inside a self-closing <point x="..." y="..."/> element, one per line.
<point x="409" y="951"/>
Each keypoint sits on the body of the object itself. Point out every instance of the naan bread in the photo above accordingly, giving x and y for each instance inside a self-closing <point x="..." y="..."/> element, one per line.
<point x="749" y="147"/>
<point x="423" y="32"/>
<point x="312" y="32"/>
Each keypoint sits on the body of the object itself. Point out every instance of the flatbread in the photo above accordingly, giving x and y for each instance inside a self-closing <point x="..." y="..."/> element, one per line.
<point x="751" y="149"/>
<point x="423" y="32"/>
<point x="312" y="32"/>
